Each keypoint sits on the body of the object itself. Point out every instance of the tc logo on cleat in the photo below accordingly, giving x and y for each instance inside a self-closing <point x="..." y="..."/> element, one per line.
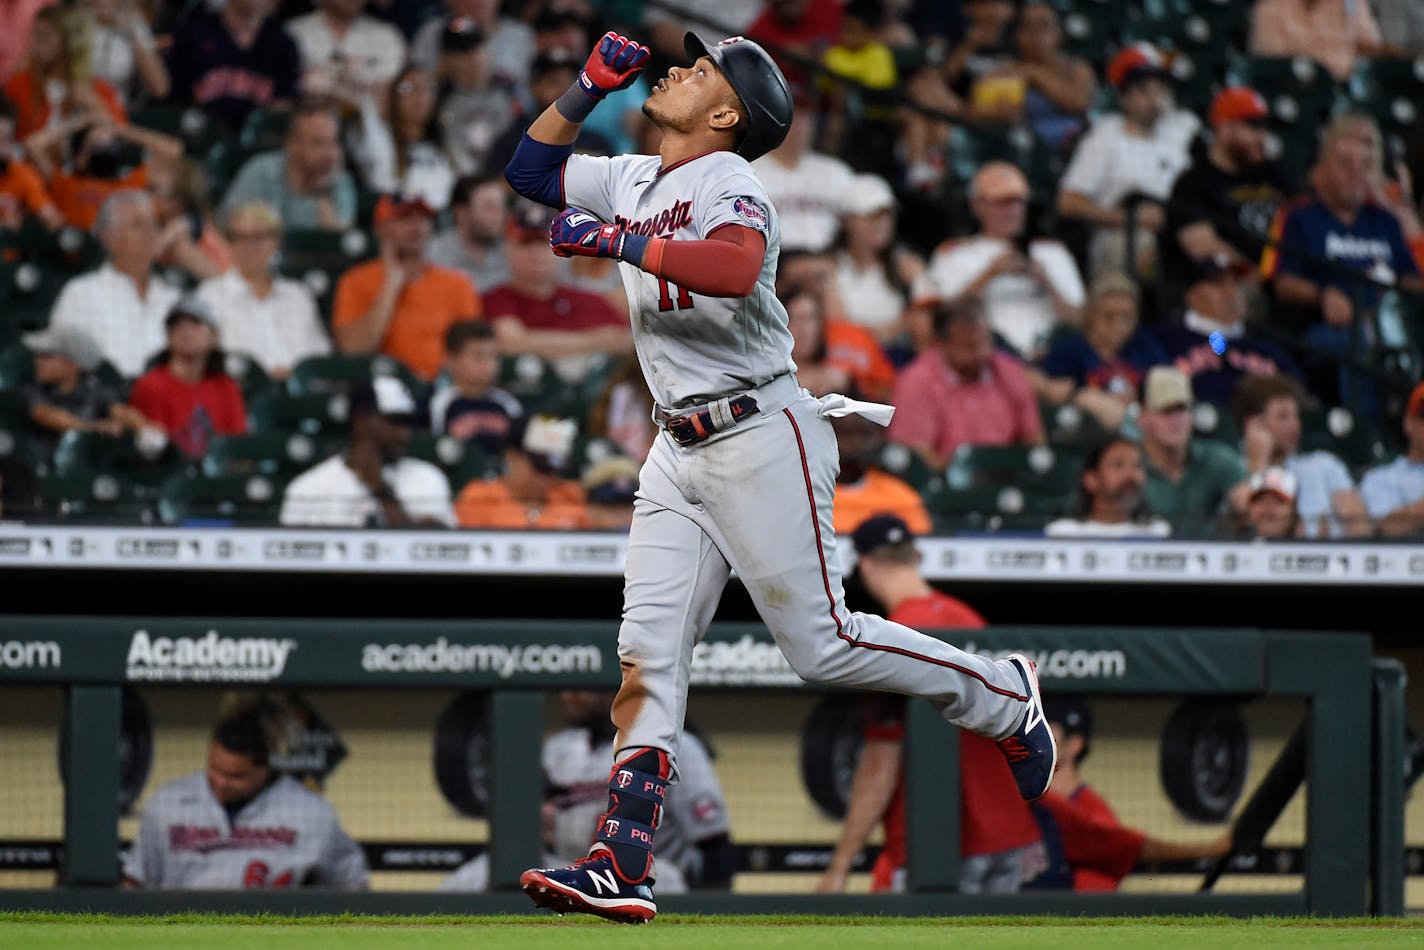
<point x="610" y="826"/>
<point x="624" y="778"/>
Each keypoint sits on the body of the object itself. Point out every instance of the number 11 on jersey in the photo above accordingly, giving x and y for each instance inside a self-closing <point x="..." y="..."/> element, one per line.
<point x="665" y="301"/>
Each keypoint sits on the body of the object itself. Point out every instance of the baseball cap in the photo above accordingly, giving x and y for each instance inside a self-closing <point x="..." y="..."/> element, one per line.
<point x="1215" y="265"/>
<point x="546" y="440"/>
<point x="879" y="531"/>
<point x="556" y="59"/>
<point x="612" y="481"/>
<point x="1134" y="62"/>
<point x="1274" y="480"/>
<point x="393" y="206"/>
<point x="1166" y="387"/>
<point x="385" y="396"/>
<point x="528" y="222"/>
<point x="461" y="35"/>
<point x="868" y="194"/>
<point x="1415" y="406"/>
<point x="69" y="342"/>
<point x="1238" y="104"/>
<point x="192" y="307"/>
<point x="1070" y="712"/>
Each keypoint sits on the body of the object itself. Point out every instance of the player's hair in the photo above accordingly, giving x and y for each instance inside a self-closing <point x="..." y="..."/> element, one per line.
<point x="1254" y="392"/>
<point x="263" y="213"/>
<point x="1111" y="284"/>
<point x="466" y="331"/>
<point x="744" y="125"/>
<point x="109" y="210"/>
<point x="1091" y="462"/>
<point x="315" y="105"/>
<point x="947" y="313"/>
<point x="467" y="185"/>
<point x="903" y="553"/>
<point x="244" y="731"/>
<point x="1351" y="125"/>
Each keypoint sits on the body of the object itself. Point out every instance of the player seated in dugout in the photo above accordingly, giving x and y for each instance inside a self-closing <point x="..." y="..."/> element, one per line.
<point x="239" y="823"/>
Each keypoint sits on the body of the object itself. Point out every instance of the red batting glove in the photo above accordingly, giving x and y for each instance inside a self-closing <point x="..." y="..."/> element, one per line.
<point x="614" y="64"/>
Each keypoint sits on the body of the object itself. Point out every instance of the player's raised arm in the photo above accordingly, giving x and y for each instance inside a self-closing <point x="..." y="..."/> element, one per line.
<point x="534" y="171"/>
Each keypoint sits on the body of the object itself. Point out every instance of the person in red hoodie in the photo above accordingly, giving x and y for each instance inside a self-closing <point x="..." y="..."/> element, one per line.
<point x="187" y="390"/>
<point x="999" y="842"/>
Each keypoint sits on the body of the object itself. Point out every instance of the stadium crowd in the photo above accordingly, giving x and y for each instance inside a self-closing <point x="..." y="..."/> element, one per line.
<point x="1126" y="267"/>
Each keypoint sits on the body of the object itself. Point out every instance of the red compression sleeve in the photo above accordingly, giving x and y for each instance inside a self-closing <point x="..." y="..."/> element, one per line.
<point x="726" y="264"/>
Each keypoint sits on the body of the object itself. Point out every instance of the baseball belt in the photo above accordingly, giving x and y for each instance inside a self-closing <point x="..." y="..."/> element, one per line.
<point x="701" y="424"/>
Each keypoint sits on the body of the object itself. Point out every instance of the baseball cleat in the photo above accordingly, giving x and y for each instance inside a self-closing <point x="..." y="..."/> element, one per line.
<point x="591" y="885"/>
<point x="1031" y="752"/>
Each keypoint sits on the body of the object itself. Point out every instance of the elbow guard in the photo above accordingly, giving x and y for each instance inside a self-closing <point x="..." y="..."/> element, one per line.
<point x="537" y="171"/>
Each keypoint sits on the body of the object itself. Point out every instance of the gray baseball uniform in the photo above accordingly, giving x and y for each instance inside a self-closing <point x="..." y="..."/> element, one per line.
<point x="287" y="836"/>
<point x="755" y="498"/>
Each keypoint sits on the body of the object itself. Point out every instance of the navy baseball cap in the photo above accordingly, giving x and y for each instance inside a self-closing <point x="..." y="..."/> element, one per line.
<point x="879" y="531"/>
<point x="1070" y="712"/>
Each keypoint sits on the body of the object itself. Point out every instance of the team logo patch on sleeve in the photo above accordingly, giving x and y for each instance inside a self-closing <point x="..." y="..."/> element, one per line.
<point x="752" y="213"/>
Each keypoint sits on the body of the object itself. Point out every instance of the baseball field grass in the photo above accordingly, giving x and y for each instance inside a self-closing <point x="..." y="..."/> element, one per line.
<point x="535" y="932"/>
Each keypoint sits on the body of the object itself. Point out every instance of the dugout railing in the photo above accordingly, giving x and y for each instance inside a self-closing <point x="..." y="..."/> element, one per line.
<point x="1353" y="745"/>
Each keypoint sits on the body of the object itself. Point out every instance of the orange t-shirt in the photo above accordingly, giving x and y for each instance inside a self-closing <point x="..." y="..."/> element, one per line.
<point x="854" y="349"/>
<point x="425" y="309"/>
<point x="22" y="192"/>
<point x="489" y="504"/>
<point x="32" y="108"/>
<point x="79" y="198"/>
<point x="878" y="493"/>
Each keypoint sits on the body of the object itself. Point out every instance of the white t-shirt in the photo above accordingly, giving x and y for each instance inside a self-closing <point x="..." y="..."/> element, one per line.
<point x="329" y="495"/>
<point x="809" y="198"/>
<point x="278" y="331"/>
<point x="106" y="305"/>
<point x="1081" y="528"/>
<point x="869" y="298"/>
<point x="111" y="54"/>
<point x="1019" y="308"/>
<point x="1319" y="476"/>
<point x="372" y="50"/>
<point x="1110" y="164"/>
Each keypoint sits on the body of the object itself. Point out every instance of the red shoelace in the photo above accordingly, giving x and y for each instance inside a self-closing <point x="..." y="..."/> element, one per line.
<point x="1014" y="749"/>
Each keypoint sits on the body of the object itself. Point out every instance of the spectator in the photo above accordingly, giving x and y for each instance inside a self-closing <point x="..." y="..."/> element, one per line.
<point x="188" y="241"/>
<point x="1394" y="493"/>
<point x="1110" y="496"/>
<point x="1100" y="369"/>
<point x="1225" y="201"/>
<point x="22" y="189"/>
<point x="56" y="87"/>
<point x="15" y="39"/>
<point x="474" y="241"/>
<point x="241" y="824"/>
<point x="962" y="391"/>
<point x="610" y="486"/>
<point x="344" y="51"/>
<point x="67" y="394"/>
<point x="1053" y="89"/>
<point x="983" y="50"/>
<point x="1271" y="513"/>
<point x="833" y="355"/>
<point x="551" y="76"/>
<point x="1212" y="344"/>
<point x="1401" y="28"/>
<point x="401" y="152"/>
<point x="1189" y="481"/>
<point x="233" y="60"/>
<point x="1323" y="237"/>
<point x="874" y="272"/>
<point x="372" y="484"/>
<point x="1332" y="32"/>
<point x="511" y="41"/>
<point x="305" y="181"/>
<point x="623" y="412"/>
<point x="121" y="47"/>
<point x="1136" y="153"/>
<point x="399" y="304"/>
<point x="998" y="842"/>
<point x="861" y="56"/>
<point x="538" y="313"/>
<point x="665" y="28"/>
<point x="475" y="106"/>
<point x="259" y="312"/>
<point x="121" y="305"/>
<point x="858" y="53"/>
<point x="188" y="392"/>
<point x="1267" y="410"/>
<point x="808" y="188"/>
<point x="530" y="493"/>
<point x="1071" y="720"/>
<point x="1029" y="286"/>
<point x="105" y="159"/>
<point x="863" y="488"/>
<point x="803" y="28"/>
<point x="467" y="404"/>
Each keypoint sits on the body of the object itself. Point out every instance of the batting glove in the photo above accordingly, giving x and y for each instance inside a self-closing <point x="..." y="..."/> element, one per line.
<point x="576" y="233"/>
<point x="614" y="64"/>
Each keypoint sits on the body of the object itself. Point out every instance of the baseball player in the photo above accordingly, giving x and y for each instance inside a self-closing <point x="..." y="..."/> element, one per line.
<point x="238" y="824"/>
<point x="742" y="476"/>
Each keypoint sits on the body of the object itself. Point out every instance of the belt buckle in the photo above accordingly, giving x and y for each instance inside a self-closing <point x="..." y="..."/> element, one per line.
<point x="681" y="431"/>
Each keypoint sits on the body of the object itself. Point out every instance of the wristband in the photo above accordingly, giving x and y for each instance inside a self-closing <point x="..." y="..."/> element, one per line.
<point x="575" y="104"/>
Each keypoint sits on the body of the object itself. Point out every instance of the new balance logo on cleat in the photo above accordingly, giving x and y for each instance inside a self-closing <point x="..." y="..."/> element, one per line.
<point x="591" y="885"/>
<point x="1030" y="751"/>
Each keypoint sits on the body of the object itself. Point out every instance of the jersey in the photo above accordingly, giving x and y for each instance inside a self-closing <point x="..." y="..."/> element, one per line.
<point x="287" y="836"/>
<point x="576" y="769"/>
<point x="692" y="348"/>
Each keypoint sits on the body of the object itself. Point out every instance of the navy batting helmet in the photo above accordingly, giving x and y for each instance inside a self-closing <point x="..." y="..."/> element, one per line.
<point x="758" y="82"/>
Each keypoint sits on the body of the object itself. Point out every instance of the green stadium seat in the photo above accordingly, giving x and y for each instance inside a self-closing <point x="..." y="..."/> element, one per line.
<point x="227" y="500"/>
<point x="13" y="412"/>
<point x="250" y="375"/>
<point x="27" y="294"/>
<point x="909" y="466"/>
<point x="264" y="130"/>
<point x="970" y="149"/>
<point x="311" y="413"/>
<point x="1299" y="90"/>
<point x="1214" y="422"/>
<point x="283" y="454"/>
<point x="191" y="124"/>
<point x="103" y="497"/>
<point x="1069" y="428"/>
<point x="461" y="461"/>
<point x="1391" y="90"/>
<point x="338" y="374"/>
<point x="80" y="453"/>
<point x="533" y="382"/>
<point x="17" y="366"/>
<point x="1091" y="26"/>
<point x="1356" y="440"/>
<point x="1012" y="486"/>
<point x="15" y="443"/>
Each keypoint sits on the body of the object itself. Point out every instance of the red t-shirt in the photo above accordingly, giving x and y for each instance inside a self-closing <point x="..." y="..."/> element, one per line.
<point x="1095" y="807"/>
<point x="567" y="309"/>
<point x="818" y="28"/>
<point x="190" y="414"/>
<point x="32" y="107"/>
<point x="993" y="817"/>
<point x="1091" y="841"/>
